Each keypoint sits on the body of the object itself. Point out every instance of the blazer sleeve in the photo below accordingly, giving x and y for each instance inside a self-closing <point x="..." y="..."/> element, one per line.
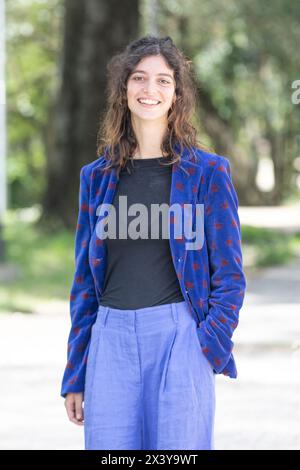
<point x="83" y="300"/>
<point x="227" y="279"/>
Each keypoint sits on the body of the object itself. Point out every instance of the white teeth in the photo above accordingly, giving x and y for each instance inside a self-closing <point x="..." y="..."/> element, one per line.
<point x="148" y="101"/>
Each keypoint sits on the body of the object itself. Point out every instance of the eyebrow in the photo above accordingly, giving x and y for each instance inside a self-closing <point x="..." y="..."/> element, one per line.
<point x="142" y="71"/>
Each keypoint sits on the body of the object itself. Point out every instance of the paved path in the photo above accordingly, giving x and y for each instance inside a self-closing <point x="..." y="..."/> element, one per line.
<point x="258" y="410"/>
<point x="261" y="408"/>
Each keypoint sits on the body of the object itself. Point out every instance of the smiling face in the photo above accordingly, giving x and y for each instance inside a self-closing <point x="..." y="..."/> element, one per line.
<point x="151" y="79"/>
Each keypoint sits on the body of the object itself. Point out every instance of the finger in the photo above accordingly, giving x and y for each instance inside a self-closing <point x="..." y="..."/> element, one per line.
<point x="71" y="408"/>
<point x="78" y="408"/>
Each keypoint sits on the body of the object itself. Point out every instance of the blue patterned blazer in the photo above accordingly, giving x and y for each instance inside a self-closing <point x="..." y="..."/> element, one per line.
<point x="211" y="278"/>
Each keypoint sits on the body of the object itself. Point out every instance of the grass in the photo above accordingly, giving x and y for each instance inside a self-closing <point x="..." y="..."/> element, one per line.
<point x="270" y="247"/>
<point x="45" y="264"/>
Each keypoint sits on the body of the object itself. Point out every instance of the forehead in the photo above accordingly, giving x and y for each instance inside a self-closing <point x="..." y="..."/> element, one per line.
<point x="153" y="64"/>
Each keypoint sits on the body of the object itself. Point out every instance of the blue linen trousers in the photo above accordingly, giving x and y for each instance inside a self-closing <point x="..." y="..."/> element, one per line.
<point x="148" y="384"/>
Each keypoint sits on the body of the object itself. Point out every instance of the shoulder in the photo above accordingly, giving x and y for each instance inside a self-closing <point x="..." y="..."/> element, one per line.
<point x="212" y="164"/>
<point x="87" y="169"/>
<point x="217" y="176"/>
<point x="209" y="160"/>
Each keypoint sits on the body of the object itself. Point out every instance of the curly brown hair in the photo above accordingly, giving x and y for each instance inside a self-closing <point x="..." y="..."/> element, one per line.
<point x="116" y="137"/>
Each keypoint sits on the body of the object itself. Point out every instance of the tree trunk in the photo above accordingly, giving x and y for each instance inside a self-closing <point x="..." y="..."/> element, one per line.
<point x="94" y="30"/>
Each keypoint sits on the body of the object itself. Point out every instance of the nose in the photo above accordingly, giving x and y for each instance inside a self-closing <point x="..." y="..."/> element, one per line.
<point x="149" y="87"/>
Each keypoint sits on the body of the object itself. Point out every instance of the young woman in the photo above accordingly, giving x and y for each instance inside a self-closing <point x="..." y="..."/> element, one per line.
<point x="152" y="313"/>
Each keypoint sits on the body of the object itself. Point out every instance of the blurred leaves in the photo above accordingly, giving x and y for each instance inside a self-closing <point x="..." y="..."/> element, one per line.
<point x="38" y="255"/>
<point x="269" y="246"/>
<point x="33" y="39"/>
<point x="245" y="57"/>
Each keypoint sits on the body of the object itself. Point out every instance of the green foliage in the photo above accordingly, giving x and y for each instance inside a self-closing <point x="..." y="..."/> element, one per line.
<point x="33" y="39"/>
<point x="245" y="57"/>
<point x="45" y="262"/>
<point x="270" y="246"/>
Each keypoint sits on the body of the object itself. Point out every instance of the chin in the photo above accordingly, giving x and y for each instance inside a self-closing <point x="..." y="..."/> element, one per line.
<point x="148" y="114"/>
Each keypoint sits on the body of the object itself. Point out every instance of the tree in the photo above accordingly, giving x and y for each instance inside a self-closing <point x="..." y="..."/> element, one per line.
<point x="93" y="31"/>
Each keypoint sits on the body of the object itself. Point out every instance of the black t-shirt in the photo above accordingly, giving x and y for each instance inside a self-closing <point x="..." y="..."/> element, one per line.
<point x="140" y="272"/>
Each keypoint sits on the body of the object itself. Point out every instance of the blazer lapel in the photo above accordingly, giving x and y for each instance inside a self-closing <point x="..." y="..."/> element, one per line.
<point x="185" y="187"/>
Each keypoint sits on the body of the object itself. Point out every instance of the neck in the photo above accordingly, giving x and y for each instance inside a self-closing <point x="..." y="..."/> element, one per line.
<point x="149" y="135"/>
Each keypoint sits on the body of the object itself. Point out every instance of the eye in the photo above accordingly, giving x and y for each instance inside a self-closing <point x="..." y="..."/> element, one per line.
<point x="136" y="78"/>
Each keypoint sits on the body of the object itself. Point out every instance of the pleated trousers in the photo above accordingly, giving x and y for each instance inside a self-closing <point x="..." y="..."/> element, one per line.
<point x="148" y="384"/>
